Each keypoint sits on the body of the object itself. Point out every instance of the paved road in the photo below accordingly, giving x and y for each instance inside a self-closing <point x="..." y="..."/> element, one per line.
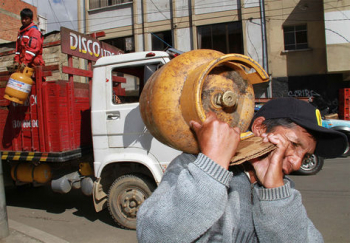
<point x="71" y="217"/>
<point x="326" y="197"/>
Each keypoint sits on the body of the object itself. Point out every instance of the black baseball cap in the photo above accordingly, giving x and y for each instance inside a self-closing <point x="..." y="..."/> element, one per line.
<point x="330" y="143"/>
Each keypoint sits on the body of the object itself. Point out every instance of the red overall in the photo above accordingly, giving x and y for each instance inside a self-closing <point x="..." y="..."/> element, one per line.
<point x="29" y="46"/>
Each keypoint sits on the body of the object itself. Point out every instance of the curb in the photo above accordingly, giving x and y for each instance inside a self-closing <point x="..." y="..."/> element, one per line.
<point x="35" y="233"/>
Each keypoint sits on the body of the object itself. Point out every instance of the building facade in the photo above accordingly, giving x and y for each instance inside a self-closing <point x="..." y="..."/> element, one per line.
<point x="304" y="45"/>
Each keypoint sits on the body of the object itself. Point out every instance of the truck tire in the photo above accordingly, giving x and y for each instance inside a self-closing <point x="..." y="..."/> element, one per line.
<point x="311" y="165"/>
<point x="125" y="196"/>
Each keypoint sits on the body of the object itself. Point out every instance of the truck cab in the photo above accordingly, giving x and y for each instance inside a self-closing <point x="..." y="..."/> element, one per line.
<point x="128" y="161"/>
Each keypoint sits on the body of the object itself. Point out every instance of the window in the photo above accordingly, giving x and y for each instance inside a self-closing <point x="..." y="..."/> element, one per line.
<point x="126" y="86"/>
<point x="123" y="43"/>
<point x="226" y="37"/>
<point x="161" y="40"/>
<point x="295" y="37"/>
<point x="104" y="3"/>
<point x="128" y="82"/>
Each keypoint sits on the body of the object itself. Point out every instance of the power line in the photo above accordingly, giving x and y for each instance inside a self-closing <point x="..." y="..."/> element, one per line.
<point x="270" y="17"/>
<point x="338" y="34"/>
<point x="200" y="8"/>
<point x="159" y="10"/>
<point x="149" y="13"/>
<point x="182" y="8"/>
<point x="68" y="14"/>
<point x="161" y="39"/>
<point x="54" y="14"/>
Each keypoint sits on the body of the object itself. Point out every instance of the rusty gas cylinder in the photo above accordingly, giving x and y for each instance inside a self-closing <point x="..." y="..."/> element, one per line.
<point x="194" y="84"/>
<point x="19" y="85"/>
<point x="28" y="173"/>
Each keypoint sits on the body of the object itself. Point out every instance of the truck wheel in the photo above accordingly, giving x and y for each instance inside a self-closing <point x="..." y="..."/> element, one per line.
<point x="125" y="196"/>
<point x="311" y="165"/>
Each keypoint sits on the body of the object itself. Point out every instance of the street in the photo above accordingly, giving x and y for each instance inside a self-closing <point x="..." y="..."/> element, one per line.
<point x="326" y="197"/>
<point x="71" y="216"/>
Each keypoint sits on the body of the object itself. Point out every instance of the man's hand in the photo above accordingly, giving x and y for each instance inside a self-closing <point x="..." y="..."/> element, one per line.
<point x="269" y="169"/>
<point x="217" y="139"/>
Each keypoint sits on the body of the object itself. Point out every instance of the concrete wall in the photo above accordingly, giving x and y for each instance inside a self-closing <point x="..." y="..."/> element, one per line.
<point x="157" y="11"/>
<point x="110" y="17"/>
<point x="209" y="6"/>
<point x="337" y="27"/>
<point x="253" y="41"/>
<point x="182" y="37"/>
<point x="300" y="62"/>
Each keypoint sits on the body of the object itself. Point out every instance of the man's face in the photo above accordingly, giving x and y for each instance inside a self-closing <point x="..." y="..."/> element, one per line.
<point x="301" y="143"/>
<point x="26" y="21"/>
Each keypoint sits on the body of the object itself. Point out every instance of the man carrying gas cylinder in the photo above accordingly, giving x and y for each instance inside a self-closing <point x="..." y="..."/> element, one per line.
<point x="29" y="45"/>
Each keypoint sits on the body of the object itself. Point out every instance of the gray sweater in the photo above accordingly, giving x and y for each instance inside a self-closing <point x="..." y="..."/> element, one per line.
<point x="199" y="201"/>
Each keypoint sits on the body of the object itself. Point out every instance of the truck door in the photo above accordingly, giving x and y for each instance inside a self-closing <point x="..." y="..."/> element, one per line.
<point x="125" y="128"/>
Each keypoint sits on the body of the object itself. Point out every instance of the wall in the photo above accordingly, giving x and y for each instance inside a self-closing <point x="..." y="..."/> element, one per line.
<point x="110" y="17"/>
<point x="252" y="32"/>
<point x="284" y="67"/>
<point x="10" y="20"/>
<point x="300" y="62"/>
<point x="141" y="18"/>
<point x="337" y="26"/>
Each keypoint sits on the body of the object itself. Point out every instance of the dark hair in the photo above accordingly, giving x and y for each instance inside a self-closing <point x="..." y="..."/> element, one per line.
<point x="271" y="124"/>
<point x="26" y="12"/>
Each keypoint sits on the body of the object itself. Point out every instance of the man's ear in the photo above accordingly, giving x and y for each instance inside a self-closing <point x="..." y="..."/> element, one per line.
<point x="258" y="128"/>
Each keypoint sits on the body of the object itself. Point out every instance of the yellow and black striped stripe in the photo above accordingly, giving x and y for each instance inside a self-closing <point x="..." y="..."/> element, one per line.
<point x="24" y="156"/>
<point x="46" y="157"/>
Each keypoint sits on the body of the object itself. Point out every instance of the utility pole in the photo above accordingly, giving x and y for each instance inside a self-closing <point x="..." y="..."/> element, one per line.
<point x="264" y="44"/>
<point x="4" y="228"/>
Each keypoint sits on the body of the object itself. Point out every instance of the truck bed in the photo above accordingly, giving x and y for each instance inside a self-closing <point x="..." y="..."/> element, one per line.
<point x="53" y="125"/>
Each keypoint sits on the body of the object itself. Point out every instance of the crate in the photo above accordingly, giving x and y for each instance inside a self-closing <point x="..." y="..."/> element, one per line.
<point x="344" y="94"/>
<point x="344" y="104"/>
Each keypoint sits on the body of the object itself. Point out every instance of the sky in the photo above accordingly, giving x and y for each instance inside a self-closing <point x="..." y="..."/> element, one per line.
<point x="58" y="13"/>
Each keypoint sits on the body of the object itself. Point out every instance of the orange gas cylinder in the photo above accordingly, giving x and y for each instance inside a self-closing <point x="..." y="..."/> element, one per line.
<point x="19" y="86"/>
<point x="193" y="84"/>
<point x="27" y="172"/>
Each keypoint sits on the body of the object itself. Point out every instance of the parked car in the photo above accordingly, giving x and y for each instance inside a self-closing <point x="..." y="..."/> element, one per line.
<point x="313" y="164"/>
<point x="341" y="126"/>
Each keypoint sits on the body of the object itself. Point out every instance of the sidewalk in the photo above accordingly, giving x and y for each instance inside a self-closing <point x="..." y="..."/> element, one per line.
<point x="21" y="233"/>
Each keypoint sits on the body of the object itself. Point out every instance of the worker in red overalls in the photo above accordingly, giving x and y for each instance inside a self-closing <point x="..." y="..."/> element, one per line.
<point x="29" y="45"/>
